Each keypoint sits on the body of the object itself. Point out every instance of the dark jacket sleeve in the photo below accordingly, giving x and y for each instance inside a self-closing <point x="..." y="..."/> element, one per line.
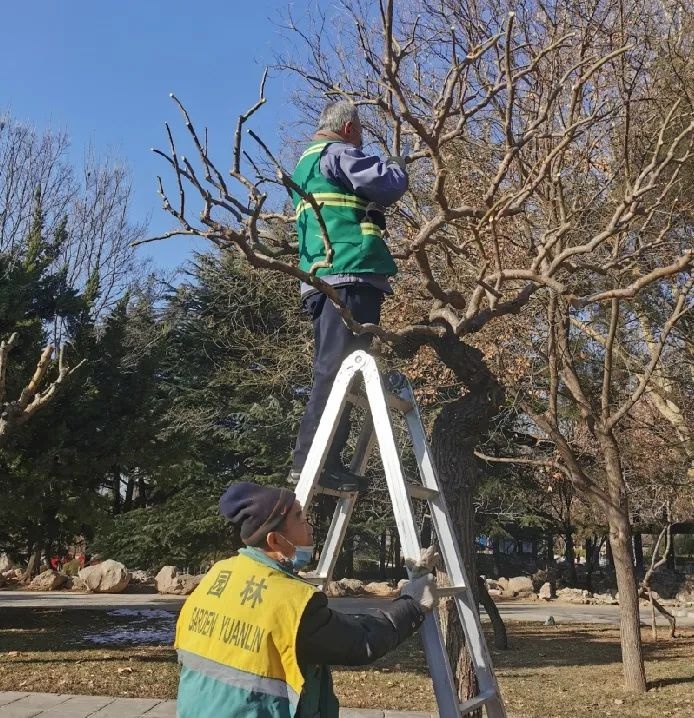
<point x="333" y="638"/>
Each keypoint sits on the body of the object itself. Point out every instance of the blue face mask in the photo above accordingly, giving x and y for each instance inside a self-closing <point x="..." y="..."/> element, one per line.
<point x="302" y="556"/>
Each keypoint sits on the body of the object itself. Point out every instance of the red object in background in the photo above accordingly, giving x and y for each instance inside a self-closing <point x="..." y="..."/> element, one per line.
<point x="55" y="562"/>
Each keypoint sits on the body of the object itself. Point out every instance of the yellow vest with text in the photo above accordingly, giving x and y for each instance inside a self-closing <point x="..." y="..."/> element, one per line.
<point x="236" y="642"/>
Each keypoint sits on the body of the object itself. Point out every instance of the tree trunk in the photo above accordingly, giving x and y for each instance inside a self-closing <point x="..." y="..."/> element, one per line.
<point x="117" y="503"/>
<point x="570" y="555"/>
<point x="638" y="552"/>
<point x="593" y="546"/>
<point x="620" y="542"/>
<point x="500" y="637"/>
<point x="609" y="556"/>
<point x="382" y="557"/>
<point x="33" y="563"/>
<point x="397" y="564"/>
<point x="629" y="621"/>
<point x="550" y="549"/>
<point x="129" y="491"/>
<point x="348" y="553"/>
<point x="141" y="496"/>
<point x="496" y="564"/>
<point x="457" y="430"/>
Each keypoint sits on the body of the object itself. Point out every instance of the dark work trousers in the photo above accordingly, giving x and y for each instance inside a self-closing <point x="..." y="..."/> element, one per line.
<point x="332" y="343"/>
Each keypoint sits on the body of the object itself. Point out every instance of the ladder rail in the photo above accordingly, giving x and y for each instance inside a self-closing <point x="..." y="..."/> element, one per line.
<point x="345" y="505"/>
<point x="443" y="526"/>
<point x="325" y="432"/>
<point x="432" y="639"/>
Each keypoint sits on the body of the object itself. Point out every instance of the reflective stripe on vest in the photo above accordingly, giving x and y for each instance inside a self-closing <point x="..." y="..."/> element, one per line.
<point x="332" y="199"/>
<point x="241" y="679"/>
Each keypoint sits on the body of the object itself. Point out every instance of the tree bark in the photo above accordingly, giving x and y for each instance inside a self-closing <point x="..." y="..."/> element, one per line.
<point x="629" y="621"/>
<point x="129" y="491"/>
<point x="550" y="550"/>
<point x="457" y="430"/>
<point x="620" y="542"/>
<point x="382" y="556"/>
<point x="117" y="503"/>
<point x="496" y="565"/>
<point x="500" y="637"/>
<point x="570" y="555"/>
<point x="609" y="556"/>
<point x="638" y="552"/>
<point x="33" y="563"/>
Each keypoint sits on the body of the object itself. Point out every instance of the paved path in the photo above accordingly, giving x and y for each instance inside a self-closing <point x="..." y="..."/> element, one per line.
<point x="530" y="612"/>
<point x="52" y="705"/>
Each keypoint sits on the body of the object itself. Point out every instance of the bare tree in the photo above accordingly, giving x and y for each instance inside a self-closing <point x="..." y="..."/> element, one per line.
<point x="38" y="391"/>
<point x="529" y="187"/>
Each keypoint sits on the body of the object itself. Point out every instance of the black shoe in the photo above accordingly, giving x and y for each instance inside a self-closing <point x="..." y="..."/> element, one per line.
<point x="335" y="478"/>
<point x="342" y="480"/>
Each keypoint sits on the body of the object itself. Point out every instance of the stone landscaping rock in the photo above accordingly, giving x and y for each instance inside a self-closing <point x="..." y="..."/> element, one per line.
<point x="574" y="595"/>
<point x="520" y="585"/>
<point x="606" y="599"/>
<point x="353" y="586"/>
<point x="140" y="577"/>
<point x="48" y="581"/>
<point x="545" y="592"/>
<point x="380" y="588"/>
<point x="334" y="590"/>
<point x="106" y="577"/>
<point x="77" y="584"/>
<point x="171" y="580"/>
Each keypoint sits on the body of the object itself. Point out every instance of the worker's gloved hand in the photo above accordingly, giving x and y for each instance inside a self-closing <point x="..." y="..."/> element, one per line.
<point x="428" y="558"/>
<point x="422" y="590"/>
<point x="399" y="161"/>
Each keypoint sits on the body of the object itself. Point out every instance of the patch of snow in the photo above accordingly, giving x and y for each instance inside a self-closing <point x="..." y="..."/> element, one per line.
<point x="147" y="626"/>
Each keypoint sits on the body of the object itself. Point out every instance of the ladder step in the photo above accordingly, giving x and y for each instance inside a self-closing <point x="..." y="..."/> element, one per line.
<point x="334" y="492"/>
<point x="417" y="491"/>
<point x="476" y="702"/>
<point x="314" y="578"/>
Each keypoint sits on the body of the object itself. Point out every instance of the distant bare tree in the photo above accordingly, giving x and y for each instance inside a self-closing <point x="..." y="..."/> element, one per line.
<point x="38" y="391"/>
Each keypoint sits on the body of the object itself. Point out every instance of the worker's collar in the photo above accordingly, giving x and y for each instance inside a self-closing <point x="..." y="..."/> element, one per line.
<point x="323" y="135"/>
<point x="260" y="556"/>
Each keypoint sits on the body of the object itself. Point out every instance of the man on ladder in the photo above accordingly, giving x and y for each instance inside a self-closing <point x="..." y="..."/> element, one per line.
<point x="353" y="188"/>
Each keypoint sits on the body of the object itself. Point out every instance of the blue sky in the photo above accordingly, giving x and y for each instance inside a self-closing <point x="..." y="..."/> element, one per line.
<point x="102" y="71"/>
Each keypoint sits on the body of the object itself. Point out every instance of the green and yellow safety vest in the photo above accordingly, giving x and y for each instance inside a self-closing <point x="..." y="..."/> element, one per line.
<point x="356" y="240"/>
<point x="236" y="642"/>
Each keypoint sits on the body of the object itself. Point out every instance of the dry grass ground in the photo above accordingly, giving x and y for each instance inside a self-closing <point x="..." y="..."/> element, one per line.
<point x="549" y="672"/>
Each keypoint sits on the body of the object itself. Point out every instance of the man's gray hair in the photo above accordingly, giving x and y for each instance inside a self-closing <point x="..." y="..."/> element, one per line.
<point x="336" y="115"/>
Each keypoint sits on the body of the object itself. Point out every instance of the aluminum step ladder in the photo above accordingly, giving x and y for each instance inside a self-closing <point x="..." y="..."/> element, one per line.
<point x="378" y="427"/>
